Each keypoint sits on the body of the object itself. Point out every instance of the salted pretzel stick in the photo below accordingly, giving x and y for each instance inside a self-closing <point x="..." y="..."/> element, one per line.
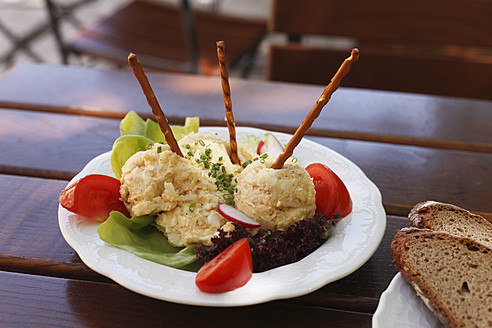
<point x="316" y="110"/>
<point x="226" y="90"/>
<point x="154" y="104"/>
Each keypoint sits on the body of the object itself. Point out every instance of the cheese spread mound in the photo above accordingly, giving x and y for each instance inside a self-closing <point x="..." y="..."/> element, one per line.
<point x="198" y="143"/>
<point x="182" y="191"/>
<point x="276" y="198"/>
<point x="148" y="180"/>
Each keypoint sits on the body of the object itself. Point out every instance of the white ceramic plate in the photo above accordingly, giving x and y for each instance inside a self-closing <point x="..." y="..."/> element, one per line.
<point x="400" y="307"/>
<point x="352" y="243"/>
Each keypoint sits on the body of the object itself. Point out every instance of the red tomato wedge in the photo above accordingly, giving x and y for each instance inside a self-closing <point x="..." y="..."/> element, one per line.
<point x="94" y="197"/>
<point x="229" y="270"/>
<point x="332" y="197"/>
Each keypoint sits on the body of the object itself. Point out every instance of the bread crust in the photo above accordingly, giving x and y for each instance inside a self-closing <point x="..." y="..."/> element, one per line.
<point x="399" y="247"/>
<point x="421" y="214"/>
<point x="453" y="220"/>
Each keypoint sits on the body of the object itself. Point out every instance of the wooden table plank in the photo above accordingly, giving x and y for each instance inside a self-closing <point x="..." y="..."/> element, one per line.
<point x="30" y="239"/>
<point x="352" y="113"/>
<point x="405" y="175"/>
<point x="27" y="300"/>
<point x="29" y="217"/>
<point x="52" y="145"/>
<point x="361" y="290"/>
<point x="65" y="292"/>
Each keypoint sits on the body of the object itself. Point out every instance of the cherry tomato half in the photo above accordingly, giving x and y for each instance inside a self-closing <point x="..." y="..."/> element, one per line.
<point x="229" y="270"/>
<point x="332" y="197"/>
<point x="94" y="196"/>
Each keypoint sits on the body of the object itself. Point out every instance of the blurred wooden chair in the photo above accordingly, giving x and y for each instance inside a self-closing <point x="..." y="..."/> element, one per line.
<point x="22" y="42"/>
<point x="424" y="46"/>
<point x="170" y="37"/>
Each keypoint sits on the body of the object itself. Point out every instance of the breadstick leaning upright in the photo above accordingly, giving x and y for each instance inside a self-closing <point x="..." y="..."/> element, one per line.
<point x="226" y="90"/>
<point x="154" y="104"/>
<point x="316" y="110"/>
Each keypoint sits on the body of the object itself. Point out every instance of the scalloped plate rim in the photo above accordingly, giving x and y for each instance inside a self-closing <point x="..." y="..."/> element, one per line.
<point x="251" y="293"/>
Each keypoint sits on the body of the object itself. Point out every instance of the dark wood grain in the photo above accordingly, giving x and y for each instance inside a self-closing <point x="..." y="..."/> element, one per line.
<point x="383" y="68"/>
<point x="27" y="300"/>
<point x="349" y="292"/>
<point x="352" y="113"/>
<point x="52" y="145"/>
<point x="405" y="175"/>
<point x="442" y="22"/>
<point x="429" y="47"/>
<point x="43" y="282"/>
<point x="30" y="239"/>
<point x="30" y="217"/>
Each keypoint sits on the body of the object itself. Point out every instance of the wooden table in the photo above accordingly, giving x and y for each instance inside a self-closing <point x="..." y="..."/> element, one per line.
<point x="54" y="119"/>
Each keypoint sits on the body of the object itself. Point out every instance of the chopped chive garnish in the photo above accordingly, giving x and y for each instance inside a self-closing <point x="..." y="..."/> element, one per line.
<point x="246" y="163"/>
<point x="226" y="183"/>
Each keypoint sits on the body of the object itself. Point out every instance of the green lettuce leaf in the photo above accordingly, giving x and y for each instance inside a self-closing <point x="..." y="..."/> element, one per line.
<point x="191" y="125"/>
<point x="153" y="131"/>
<point x="137" y="135"/>
<point x="132" y="124"/>
<point x="252" y="142"/>
<point x="138" y="236"/>
<point x="124" y="147"/>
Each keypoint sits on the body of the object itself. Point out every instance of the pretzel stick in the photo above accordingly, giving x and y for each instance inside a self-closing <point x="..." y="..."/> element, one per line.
<point x="226" y="90"/>
<point x="316" y="110"/>
<point x="154" y="104"/>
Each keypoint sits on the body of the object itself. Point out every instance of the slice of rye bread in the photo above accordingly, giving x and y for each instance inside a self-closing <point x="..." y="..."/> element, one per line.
<point x="452" y="219"/>
<point x="452" y="275"/>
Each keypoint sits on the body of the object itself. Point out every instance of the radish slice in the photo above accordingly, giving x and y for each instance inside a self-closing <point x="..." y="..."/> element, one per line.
<point x="261" y="148"/>
<point x="234" y="215"/>
<point x="273" y="146"/>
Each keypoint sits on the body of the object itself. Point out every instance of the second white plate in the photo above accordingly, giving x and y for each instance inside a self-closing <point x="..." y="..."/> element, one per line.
<point x="399" y="306"/>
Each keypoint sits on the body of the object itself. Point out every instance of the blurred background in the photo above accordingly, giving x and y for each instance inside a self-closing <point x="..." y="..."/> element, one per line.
<point x="419" y="46"/>
<point x="26" y="34"/>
